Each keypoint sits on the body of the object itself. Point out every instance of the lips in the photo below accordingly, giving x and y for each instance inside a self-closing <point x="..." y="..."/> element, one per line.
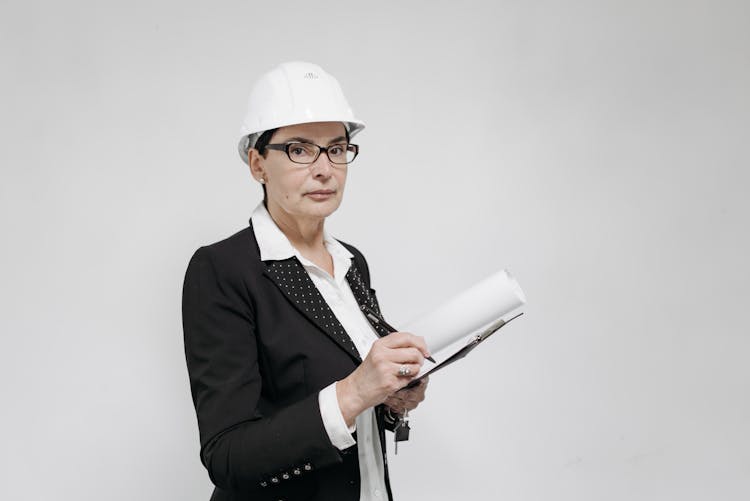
<point x="321" y="194"/>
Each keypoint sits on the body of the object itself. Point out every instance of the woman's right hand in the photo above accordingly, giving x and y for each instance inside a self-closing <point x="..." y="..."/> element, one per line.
<point x="378" y="374"/>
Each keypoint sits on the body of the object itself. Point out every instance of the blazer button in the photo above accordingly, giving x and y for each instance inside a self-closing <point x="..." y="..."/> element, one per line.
<point x="297" y="471"/>
<point x="285" y="476"/>
<point x="307" y="467"/>
<point x="264" y="484"/>
<point x="274" y="480"/>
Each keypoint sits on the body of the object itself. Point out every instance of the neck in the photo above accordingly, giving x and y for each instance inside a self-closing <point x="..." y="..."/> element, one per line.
<point x="304" y="233"/>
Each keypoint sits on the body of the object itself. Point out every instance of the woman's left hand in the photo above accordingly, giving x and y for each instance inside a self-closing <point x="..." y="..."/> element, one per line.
<point x="407" y="399"/>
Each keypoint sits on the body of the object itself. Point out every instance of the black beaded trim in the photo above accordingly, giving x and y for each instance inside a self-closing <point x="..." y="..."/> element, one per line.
<point x="293" y="280"/>
<point x="363" y="296"/>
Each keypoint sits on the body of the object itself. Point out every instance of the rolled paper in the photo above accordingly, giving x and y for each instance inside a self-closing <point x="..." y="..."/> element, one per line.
<point x="493" y="298"/>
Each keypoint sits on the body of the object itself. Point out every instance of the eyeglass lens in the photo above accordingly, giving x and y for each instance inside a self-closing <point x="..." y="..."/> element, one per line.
<point x="307" y="153"/>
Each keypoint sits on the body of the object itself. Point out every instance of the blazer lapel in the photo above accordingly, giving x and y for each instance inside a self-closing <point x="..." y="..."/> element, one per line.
<point x="364" y="296"/>
<point x="293" y="281"/>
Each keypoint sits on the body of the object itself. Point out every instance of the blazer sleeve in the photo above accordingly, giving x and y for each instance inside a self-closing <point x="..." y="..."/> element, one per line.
<point x="242" y="448"/>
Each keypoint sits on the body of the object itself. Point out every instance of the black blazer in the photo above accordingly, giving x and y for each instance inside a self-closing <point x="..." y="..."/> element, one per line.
<point x="260" y="343"/>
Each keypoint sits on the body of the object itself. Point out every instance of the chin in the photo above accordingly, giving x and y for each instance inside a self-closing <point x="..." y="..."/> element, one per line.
<point x="323" y="209"/>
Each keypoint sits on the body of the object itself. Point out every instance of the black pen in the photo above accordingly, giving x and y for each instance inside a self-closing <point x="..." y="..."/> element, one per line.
<point x="380" y="320"/>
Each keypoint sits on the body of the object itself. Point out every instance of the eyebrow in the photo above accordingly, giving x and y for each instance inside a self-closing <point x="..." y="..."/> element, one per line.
<point x="300" y="139"/>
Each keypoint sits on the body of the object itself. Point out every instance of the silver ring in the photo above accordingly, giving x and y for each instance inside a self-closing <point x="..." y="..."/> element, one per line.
<point x="404" y="371"/>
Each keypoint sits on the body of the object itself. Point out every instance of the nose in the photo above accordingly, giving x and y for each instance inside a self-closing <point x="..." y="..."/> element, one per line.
<point x="321" y="167"/>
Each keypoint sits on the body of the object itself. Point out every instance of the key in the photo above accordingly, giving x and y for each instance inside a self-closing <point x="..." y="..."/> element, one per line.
<point x="401" y="431"/>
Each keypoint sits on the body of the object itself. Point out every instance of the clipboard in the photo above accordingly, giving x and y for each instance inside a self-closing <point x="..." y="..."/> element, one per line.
<point x="475" y="341"/>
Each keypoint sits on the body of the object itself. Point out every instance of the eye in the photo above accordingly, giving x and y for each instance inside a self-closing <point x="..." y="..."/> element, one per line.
<point x="302" y="150"/>
<point x="337" y="150"/>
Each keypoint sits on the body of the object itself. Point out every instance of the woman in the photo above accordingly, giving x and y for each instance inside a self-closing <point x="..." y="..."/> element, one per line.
<point x="292" y="384"/>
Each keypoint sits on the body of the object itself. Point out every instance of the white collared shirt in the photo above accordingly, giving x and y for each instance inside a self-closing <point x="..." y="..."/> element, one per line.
<point x="274" y="245"/>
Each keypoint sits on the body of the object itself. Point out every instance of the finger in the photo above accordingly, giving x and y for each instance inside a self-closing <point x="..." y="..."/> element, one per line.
<point x="410" y="395"/>
<point x="406" y="340"/>
<point x="398" y="340"/>
<point x="414" y="398"/>
<point x="394" y="402"/>
<point x="414" y="394"/>
<point x="421" y="386"/>
<point x="406" y="371"/>
<point x="407" y="356"/>
<point x="401" y="404"/>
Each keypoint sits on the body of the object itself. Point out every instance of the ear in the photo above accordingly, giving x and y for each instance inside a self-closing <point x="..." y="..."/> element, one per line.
<point x="256" y="162"/>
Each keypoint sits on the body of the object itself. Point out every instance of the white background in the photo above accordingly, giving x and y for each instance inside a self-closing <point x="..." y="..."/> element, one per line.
<point x="598" y="150"/>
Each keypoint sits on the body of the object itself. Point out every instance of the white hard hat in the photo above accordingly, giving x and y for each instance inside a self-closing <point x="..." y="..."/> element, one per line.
<point x="294" y="93"/>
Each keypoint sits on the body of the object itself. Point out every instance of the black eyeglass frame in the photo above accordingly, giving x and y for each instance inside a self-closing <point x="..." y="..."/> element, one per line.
<point x="286" y="146"/>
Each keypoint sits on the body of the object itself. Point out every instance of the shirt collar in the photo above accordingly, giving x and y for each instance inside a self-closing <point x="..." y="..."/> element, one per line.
<point x="275" y="246"/>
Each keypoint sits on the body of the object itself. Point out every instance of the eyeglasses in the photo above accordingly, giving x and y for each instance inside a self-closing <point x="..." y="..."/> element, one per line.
<point x="307" y="153"/>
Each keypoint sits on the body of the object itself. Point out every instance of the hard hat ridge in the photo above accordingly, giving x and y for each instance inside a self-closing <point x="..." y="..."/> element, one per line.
<point x="294" y="93"/>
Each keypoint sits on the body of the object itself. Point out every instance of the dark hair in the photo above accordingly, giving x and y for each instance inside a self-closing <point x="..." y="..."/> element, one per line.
<point x="260" y="145"/>
<point x="263" y="140"/>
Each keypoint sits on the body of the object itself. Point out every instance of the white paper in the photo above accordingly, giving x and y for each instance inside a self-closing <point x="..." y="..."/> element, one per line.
<point x="495" y="297"/>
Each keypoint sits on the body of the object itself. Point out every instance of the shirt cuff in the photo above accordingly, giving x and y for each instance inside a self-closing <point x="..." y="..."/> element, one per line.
<point x="333" y="421"/>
